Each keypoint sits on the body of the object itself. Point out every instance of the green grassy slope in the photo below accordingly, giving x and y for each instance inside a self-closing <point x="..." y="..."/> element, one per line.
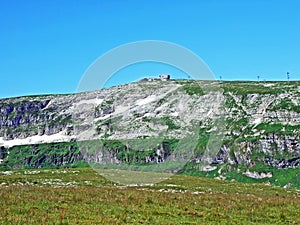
<point x="81" y="196"/>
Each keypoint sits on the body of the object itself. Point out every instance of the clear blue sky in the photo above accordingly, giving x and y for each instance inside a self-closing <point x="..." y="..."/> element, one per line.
<point x="45" y="46"/>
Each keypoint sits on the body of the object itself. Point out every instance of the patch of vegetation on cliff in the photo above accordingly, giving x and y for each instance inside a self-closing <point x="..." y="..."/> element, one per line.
<point x="279" y="128"/>
<point x="193" y="89"/>
<point x="285" y="104"/>
<point x="62" y="154"/>
<point x="143" y="153"/>
<point x="105" y="106"/>
<point x="202" y="142"/>
<point x="170" y="123"/>
<point x="165" y="121"/>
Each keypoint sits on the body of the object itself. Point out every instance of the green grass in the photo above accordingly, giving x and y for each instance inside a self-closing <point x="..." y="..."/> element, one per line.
<point x="167" y="121"/>
<point x="70" y="155"/>
<point x="279" y="129"/>
<point x="64" y="154"/>
<point x="286" y="104"/>
<point x="91" y="199"/>
<point x="170" y="123"/>
<point x="280" y="177"/>
<point x="245" y="88"/>
<point x="193" y="89"/>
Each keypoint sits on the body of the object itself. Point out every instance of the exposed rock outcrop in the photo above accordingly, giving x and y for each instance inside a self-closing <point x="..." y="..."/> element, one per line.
<point x="252" y="122"/>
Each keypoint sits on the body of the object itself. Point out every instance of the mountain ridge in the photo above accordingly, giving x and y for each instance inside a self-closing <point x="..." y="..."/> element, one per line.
<point x="259" y="132"/>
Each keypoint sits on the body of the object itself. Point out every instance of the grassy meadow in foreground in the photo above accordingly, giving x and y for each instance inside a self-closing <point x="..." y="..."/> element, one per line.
<point x="81" y="196"/>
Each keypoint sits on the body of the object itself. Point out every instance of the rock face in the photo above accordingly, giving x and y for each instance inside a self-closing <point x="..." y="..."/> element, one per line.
<point x="236" y="123"/>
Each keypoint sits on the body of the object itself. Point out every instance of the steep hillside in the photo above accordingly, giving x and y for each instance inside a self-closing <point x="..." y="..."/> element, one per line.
<point x="247" y="131"/>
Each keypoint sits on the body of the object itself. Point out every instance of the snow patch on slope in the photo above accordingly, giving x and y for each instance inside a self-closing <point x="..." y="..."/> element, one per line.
<point x="94" y="101"/>
<point x="59" y="137"/>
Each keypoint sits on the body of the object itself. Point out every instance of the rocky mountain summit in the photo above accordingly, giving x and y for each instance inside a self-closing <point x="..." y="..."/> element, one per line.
<point x="235" y="127"/>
